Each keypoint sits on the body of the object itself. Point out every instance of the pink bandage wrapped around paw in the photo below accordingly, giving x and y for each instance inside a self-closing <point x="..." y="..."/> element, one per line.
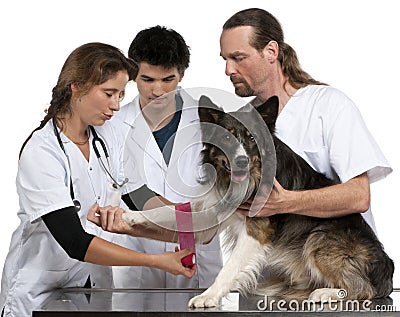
<point x="183" y="213"/>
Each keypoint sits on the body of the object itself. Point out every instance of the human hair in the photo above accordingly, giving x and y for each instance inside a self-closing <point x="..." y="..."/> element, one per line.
<point x="160" y="46"/>
<point x="267" y="28"/>
<point x="87" y="66"/>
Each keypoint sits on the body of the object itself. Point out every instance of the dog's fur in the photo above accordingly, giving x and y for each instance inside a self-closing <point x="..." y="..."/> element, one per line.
<point x="303" y="256"/>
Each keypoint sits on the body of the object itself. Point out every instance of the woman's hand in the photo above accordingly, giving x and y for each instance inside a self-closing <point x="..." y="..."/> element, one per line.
<point x="109" y="219"/>
<point x="171" y="262"/>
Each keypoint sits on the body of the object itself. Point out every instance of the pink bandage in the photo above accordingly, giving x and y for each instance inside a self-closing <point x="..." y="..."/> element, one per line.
<point x="183" y="214"/>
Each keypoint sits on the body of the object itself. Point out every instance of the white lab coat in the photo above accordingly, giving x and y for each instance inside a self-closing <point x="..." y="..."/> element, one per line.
<point x="36" y="264"/>
<point x="178" y="182"/>
<point x="323" y="126"/>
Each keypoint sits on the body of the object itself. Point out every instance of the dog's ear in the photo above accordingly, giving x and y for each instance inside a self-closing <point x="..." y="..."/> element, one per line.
<point x="208" y="111"/>
<point x="269" y="112"/>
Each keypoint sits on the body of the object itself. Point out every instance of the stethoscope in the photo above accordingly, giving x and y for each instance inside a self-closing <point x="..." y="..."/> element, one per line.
<point x="108" y="171"/>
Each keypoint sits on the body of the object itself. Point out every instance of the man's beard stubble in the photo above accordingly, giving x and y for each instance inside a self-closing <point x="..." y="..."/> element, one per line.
<point x="243" y="90"/>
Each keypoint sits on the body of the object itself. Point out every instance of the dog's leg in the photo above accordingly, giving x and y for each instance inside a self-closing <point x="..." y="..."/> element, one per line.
<point x="326" y="294"/>
<point x="165" y="216"/>
<point x="240" y="271"/>
<point x="206" y="224"/>
<point x="162" y="216"/>
<point x="339" y="265"/>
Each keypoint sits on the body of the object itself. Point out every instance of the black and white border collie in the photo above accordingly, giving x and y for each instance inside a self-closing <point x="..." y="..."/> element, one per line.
<point x="304" y="257"/>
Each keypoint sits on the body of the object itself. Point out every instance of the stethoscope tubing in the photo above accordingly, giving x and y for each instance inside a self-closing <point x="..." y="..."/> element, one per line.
<point x="71" y="189"/>
<point x="108" y="170"/>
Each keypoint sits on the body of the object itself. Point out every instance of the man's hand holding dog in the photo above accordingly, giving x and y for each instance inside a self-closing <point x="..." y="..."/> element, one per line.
<point x="337" y="200"/>
<point x="279" y="200"/>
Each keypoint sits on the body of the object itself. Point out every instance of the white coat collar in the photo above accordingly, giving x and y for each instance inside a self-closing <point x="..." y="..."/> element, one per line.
<point x="188" y="132"/>
<point x="131" y="111"/>
<point x="141" y="134"/>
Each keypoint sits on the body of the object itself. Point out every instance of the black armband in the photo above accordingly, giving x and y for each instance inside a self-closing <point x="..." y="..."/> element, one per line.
<point x="135" y="200"/>
<point x="65" y="226"/>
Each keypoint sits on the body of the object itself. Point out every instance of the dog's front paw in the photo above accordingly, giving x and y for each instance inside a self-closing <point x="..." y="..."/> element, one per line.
<point x="203" y="300"/>
<point x="133" y="218"/>
<point x="327" y="294"/>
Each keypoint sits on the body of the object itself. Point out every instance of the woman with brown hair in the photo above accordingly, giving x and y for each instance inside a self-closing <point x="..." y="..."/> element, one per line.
<point x="72" y="161"/>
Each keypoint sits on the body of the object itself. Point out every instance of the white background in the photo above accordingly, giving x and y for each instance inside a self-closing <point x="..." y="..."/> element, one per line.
<point x="352" y="45"/>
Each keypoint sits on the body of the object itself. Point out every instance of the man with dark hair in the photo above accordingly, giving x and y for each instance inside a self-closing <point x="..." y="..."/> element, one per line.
<point x="163" y="141"/>
<point x="160" y="46"/>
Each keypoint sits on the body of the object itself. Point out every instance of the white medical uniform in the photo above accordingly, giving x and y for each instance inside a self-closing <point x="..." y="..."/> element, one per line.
<point x="178" y="182"/>
<point x="324" y="127"/>
<point x="36" y="264"/>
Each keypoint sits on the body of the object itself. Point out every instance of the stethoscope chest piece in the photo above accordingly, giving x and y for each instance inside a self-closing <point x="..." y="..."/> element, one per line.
<point x="77" y="205"/>
<point x="116" y="185"/>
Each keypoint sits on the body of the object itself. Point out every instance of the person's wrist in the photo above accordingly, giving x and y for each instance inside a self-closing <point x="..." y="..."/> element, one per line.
<point x="296" y="201"/>
<point x="131" y="230"/>
<point x="151" y="260"/>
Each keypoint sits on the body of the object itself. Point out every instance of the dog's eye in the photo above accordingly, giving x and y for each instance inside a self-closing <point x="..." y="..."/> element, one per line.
<point x="252" y="139"/>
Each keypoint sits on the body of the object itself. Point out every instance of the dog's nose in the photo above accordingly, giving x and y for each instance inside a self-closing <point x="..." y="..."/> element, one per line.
<point x="242" y="161"/>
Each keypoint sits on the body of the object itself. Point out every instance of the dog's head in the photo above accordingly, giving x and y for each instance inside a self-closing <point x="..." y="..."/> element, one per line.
<point x="238" y="145"/>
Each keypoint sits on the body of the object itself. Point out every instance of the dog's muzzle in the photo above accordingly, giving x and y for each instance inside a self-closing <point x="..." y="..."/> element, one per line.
<point x="240" y="169"/>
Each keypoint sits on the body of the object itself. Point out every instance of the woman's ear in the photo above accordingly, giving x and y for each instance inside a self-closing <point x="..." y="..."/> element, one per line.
<point x="181" y="76"/>
<point x="76" y="92"/>
<point x="74" y="87"/>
